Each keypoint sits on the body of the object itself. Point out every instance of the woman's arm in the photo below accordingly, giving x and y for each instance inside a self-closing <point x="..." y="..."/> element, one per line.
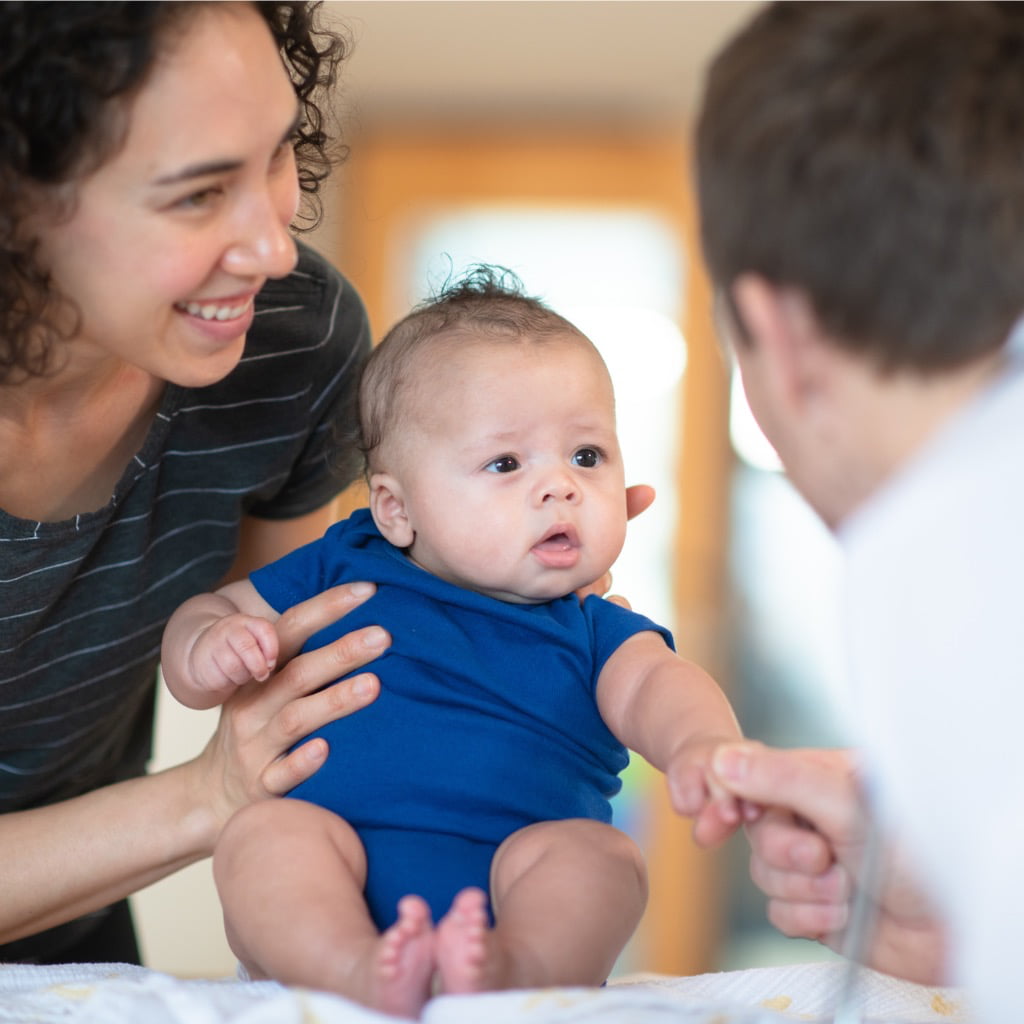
<point x="82" y="854"/>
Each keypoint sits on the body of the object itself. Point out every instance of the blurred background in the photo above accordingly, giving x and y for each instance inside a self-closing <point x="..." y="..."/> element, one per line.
<point x="553" y="138"/>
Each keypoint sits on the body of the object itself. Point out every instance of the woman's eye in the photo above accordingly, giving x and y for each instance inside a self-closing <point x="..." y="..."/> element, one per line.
<point x="198" y="200"/>
<point x="586" y="458"/>
<point x="505" y="464"/>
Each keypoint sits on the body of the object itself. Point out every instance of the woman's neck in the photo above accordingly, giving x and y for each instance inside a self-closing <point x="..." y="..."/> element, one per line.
<point x="65" y="439"/>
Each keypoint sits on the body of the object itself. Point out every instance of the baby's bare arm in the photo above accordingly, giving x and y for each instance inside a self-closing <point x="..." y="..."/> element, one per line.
<point x="218" y="641"/>
<point x="657" y="702"/>
<point x="675" y="715"/>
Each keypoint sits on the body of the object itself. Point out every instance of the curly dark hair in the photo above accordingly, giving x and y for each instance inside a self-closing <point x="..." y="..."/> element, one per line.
<point x="67" y="71"/>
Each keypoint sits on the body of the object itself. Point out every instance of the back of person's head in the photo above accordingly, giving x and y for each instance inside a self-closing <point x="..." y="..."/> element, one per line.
<point x="68" y="72"/>
<point x="872" y="156"/>
<point x="487" y="303"/>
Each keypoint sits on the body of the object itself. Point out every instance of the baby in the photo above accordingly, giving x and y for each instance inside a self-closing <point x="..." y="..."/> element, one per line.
<point x="474" y="792"/>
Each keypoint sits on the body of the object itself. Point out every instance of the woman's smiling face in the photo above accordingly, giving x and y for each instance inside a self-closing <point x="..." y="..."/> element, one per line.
<point x="170" y="239"/>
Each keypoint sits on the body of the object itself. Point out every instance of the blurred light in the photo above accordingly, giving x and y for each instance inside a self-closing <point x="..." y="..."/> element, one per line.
<point x="748" y="440"/>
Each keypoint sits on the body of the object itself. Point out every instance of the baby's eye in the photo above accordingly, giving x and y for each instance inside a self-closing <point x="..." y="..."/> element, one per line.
<point x="504" y="464"/>
<point x="586" y="458"/>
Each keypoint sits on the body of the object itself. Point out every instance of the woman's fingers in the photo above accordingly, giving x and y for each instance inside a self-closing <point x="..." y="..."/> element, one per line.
<point x="254" y="751"/>
<point x="300" y="622"/>
<point x="305" y="715"/>
<point x="308" y="672"/>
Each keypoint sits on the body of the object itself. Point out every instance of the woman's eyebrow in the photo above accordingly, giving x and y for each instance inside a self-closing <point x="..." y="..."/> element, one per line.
<point x="220" y="166"/>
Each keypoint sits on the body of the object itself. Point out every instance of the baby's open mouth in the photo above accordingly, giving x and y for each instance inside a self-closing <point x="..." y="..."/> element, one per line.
<point x="557" y="542"/>
<point x="559" y="548"/>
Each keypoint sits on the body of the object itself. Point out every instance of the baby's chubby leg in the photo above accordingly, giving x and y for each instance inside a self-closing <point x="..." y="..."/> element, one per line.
<point x="290" y="876"/>
<point x="567" y="897"/>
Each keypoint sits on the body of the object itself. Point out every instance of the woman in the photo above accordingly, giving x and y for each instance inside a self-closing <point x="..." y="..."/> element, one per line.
<point x="174" y="372"/>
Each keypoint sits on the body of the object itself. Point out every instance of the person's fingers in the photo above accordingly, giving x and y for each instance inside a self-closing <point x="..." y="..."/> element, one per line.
<point x="599" y="587"/>
<point x="822" y="921"/>
<point x="300" y="717"/>
<point x="639" y="497"/>
<point x="686" y="789"/>
<point x="266" y="636"/>
<point x="300" y="622"/>
<point x="255" y="653"/>
<point x="306" y="673"/>
<point x="831" y="886"/>
<point x="817" y="785"/>
<point x="781" y="842"/>
<point x="711" y="827"/>
<point x="284" y="774"/>
<point x="304" y="716"/>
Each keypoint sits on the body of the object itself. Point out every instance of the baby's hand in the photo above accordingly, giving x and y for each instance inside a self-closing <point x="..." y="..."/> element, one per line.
<point x="232" y="651"/>
<point x="697" y="794"/>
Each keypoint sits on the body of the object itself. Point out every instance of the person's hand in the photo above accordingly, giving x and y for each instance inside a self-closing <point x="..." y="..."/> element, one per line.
<point x="696" y="793"/>
<point x="806" y="852"/>
<point x="639" y="498"/>
<point x="231" y="651"/>
<point x="250" y="756"/>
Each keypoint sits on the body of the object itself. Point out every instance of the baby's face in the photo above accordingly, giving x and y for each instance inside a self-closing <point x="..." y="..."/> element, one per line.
<point x="513" y="477"/>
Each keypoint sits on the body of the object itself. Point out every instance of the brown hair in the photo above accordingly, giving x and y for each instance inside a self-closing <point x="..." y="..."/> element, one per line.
<point x="872" y="155"/>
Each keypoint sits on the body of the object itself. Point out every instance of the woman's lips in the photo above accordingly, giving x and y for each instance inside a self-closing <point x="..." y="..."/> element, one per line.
<point x="218" y="311"/>
<point x="221" y="322"/>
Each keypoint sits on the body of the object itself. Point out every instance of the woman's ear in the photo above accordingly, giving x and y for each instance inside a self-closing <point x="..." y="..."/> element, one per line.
<point x="387" y="506"/>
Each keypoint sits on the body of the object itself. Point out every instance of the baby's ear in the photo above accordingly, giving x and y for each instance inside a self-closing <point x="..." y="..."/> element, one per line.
<point x="387" y="506"/>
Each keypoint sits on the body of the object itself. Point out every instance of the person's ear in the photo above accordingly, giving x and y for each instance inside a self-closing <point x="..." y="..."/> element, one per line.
<point x="387" y="506"/>
<point x="782" y="328"/>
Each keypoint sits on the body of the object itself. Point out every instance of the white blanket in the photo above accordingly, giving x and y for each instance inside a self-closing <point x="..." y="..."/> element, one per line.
<point x="122" y="994"/>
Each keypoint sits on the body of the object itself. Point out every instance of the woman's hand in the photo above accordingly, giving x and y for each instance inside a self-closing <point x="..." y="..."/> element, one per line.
<point x="250" y="756"/>
<point x="639" y="497"/>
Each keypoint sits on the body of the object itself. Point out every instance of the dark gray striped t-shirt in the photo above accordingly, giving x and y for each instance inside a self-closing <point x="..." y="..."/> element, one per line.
<point x="83" y="603"/>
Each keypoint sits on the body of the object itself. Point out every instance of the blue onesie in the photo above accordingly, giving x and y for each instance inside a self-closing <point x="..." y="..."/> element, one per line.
<point x="486" y="722"/>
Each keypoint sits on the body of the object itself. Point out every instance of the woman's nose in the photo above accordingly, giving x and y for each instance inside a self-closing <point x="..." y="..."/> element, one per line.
<point x="263" y="246"/>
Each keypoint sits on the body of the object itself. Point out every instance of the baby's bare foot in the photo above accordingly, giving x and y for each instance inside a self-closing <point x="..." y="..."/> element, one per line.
<point x="403" y="965"/>
<point x="469" y="957"/>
